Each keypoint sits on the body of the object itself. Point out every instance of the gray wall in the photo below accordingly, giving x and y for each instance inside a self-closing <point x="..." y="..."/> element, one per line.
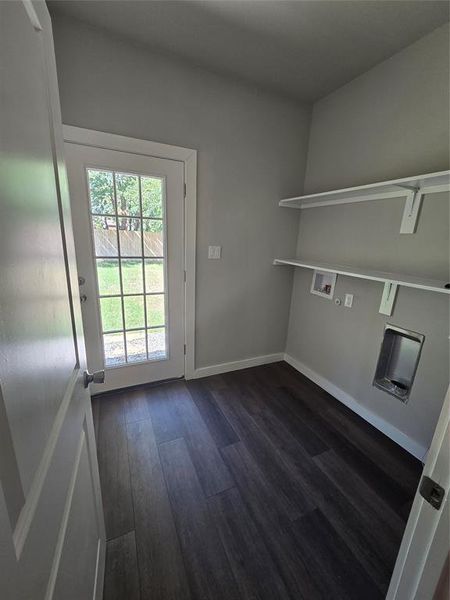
<point x="252" y="151"/>
<point x="390" y="122"/>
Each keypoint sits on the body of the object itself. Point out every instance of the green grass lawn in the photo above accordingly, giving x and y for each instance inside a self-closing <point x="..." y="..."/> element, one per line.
<point x="109" y="283"/>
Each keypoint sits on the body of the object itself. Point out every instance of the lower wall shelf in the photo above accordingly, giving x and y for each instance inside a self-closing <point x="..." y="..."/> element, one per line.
<point x="390" y="280"/>
<point x="432" y="285"/>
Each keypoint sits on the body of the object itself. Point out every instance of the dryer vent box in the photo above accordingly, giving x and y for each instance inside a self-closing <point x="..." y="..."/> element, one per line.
<point x="398" y="361"/>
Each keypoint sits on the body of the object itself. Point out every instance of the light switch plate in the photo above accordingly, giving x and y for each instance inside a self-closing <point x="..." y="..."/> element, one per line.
<point x="214" y="252"/>
<point x="348" y="302"/>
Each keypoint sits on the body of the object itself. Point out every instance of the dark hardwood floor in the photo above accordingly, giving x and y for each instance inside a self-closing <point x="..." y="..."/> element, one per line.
<point x="254" y="484"/>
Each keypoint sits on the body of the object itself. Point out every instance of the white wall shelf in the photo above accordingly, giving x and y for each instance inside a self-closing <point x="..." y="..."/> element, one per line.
<point x="390" y="280"/>
<point x="430" y="183"/>
<point x="412" y="188"/>
<point x="432" y="285"/>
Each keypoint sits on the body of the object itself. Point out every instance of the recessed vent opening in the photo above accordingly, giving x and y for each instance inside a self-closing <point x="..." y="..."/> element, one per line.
<point x="398" y="361"/>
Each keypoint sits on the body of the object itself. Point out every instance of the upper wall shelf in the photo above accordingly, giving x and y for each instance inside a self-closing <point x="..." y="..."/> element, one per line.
<point x="430" y="183"/>
<point x="412" y="188"/>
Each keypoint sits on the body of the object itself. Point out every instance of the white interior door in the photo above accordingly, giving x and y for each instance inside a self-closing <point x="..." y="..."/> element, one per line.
<point x="128" y="213"/>
<point x="426" y="541"/>
<point x="52" y="537"/>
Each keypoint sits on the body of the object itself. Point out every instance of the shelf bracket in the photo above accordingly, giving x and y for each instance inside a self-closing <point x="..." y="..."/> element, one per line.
<point x="411" y="210"/>
<point x="388" y="298"/>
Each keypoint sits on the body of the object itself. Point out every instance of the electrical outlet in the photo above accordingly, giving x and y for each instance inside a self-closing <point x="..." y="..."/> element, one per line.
<point x="214" y="252"/>
<point x="348" y="302"/>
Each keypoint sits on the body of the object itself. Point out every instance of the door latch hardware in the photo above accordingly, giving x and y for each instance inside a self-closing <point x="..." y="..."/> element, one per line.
<point x="83" y="298"/>
<point x="95" y="377"/>
<point x="432" y="492"/>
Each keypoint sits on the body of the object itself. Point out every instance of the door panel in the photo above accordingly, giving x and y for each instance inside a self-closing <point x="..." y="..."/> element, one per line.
<point x="38" y="528"/>
<point x="76" y="569"/>
<point x="128" y="213"/>
<point x="8" y="571"/>
<point x="44" y="408"/>
<point x="34" y="282"/>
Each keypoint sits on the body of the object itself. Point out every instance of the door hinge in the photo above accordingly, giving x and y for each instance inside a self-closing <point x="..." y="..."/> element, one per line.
<point x="185" y="191"/>
<point x="185" y="276"/>
<point x="432" y="492"/>
<point x="185" y="349"/>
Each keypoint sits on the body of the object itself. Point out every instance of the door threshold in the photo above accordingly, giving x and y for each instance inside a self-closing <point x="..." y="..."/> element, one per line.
<point x="132" y="388"/>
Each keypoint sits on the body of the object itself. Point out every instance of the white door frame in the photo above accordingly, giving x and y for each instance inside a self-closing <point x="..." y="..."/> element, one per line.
<point x="188" y="156"/>
<point x="425" y="542"/>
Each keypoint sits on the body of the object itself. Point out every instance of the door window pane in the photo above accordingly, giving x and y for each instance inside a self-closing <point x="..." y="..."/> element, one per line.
<point x="132" y="276"/>
<point x="156" y="343"/>
<point x="136" y="346"/>
<point x="128" y="213"/>
<point x="155" y="310"/>
<point x="153" y="237"/>
<point x="114" y="349"/>
<point x="105" y="236"/>
<point x="130" y="237"/>
<point x="127" y="194"/>
<point x="154" y="276"/>
<point x="111" y="312"/>
<point x="101" y="192"/>
<point x="152" y="197"/>
<point x="108" y="277"/>
<point x="134" y="312"/>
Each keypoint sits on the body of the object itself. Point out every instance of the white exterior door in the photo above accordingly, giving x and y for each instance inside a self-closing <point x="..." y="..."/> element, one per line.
<point x="52" y="539"/>
<point x="128" y="212"/>
<point x="426" y="541"/>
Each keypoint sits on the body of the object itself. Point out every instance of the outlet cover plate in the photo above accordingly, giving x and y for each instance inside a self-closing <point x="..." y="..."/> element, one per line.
<point x="214" y="252"/>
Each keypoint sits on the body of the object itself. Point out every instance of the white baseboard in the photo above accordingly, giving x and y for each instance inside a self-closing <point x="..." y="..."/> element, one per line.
<point x="392" y="432"/>
<point x="236" y="365"/>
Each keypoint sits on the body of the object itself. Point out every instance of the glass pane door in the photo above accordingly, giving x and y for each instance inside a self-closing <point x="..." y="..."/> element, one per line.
<point x="129" y="238"/>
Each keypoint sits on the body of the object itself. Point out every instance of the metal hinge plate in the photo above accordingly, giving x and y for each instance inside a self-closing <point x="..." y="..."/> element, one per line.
<point x="432" y="492"/>
<point x="185" y="190"/>
<point x="184" y="348"/>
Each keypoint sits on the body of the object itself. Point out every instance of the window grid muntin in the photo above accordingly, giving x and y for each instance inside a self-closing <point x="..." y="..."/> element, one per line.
<point x="135" y="329"/>
<point x="120" y="273"/>
<point x="133" y="361"/>
<point x="107" y="215"/>
<point x="126" y="257"/>
<point x="134" y="313"/>
<point x="100" y="170"/>
<point x="142" y="258"/>
<point x="143" y="267"/>
<point x="133" y="294"/>
<point x="114" y="330"/>
<point x="104" y="258"/>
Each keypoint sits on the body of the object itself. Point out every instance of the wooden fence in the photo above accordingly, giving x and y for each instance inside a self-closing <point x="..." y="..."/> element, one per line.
<point x="130" y="243"/>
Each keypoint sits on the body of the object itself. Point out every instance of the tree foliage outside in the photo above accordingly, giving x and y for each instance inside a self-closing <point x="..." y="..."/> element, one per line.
<point x="101" y="191"/>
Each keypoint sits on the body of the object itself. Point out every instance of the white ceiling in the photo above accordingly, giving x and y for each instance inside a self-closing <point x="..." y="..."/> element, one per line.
<point x="299" y="48"/>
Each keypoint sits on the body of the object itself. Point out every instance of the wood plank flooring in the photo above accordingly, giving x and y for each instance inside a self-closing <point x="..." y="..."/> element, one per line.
<point x="254" y="484"/>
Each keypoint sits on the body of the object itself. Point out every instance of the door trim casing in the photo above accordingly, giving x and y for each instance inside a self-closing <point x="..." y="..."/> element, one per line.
<point x="188" y="156"/>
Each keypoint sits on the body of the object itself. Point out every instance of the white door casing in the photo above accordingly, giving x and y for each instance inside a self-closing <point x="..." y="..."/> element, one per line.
<point x="125" y="248"/>
<point x="52" y="540"/>
<point x="426" y="541"/>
